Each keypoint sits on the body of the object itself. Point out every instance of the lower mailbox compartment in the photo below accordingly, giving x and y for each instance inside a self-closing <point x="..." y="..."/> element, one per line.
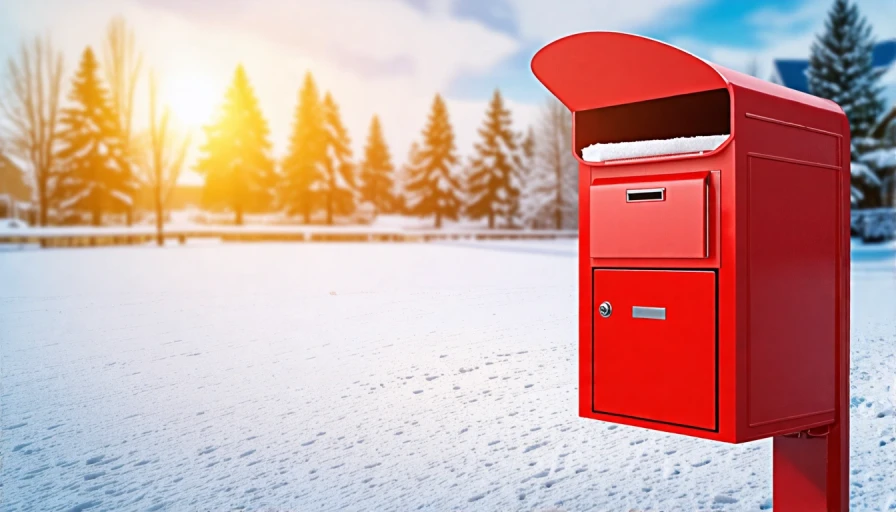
<point x="655" y="346"/>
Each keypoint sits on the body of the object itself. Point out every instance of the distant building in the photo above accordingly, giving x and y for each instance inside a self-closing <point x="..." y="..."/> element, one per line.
<point x="15" y="193"/>
<point x="12" y="181"/>
<point x="792" y="72"/>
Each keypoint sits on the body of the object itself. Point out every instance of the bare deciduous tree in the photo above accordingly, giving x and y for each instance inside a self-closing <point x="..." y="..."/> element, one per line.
<point x="163" y="156"/>
<point x="122" y="64"/>
<point x="552" y="193"/>
<point x="753" y="67"/>
<point x="29" y="104"/>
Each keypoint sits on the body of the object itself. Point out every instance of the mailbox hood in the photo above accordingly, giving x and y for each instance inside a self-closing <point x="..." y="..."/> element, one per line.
<point x="593" y="70"/>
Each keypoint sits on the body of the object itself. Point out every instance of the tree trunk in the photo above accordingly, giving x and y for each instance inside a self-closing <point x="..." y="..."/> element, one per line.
<point x="96" y="216"/>
<point x="330" y="208"/>
<point x="491" y="220"/>
<point x="42" y="200"/>
<point x="160" y="221"/>
<point x="438" y="220"/>
<point x="238" y="215"/>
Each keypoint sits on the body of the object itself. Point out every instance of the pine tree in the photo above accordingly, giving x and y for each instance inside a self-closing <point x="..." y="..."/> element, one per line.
<point x="94" y="175"/>
<point x="338" y="187"/>
<point x="304" y="164"/>
<point x="840" y="67"/>
<point x="493" y="178"/>
<point x="377" y="171"/>
<point x="432" y="176"/>
<point x="236" y="161"/>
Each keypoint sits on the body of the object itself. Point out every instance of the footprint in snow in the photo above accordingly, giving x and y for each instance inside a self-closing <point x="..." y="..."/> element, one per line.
<point x="701" y="463"/>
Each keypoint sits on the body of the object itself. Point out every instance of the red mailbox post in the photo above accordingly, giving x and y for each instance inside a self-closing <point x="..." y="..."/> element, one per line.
<point x="713" y="260"/>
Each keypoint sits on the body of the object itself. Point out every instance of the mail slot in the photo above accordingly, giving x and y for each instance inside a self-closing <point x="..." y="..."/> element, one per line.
<point x="713" y="242"/>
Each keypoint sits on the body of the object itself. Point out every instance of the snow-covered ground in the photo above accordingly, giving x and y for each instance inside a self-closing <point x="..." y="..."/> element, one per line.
<point x="358" y="377"/>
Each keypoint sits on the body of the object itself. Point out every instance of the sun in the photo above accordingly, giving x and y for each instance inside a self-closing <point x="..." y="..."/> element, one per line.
<point x="192" y="98"/>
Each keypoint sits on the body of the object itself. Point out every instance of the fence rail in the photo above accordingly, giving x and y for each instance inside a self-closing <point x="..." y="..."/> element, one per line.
<point x="103" y="236"/>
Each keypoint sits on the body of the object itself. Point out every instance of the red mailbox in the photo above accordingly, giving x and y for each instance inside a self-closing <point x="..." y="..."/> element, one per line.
<point x="713" y="254"/>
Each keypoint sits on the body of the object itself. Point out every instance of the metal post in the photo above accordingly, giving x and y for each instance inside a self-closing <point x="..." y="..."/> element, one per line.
<point x="811" y="469"/>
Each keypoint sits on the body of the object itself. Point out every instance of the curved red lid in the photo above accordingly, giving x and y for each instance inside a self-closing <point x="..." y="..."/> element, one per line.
<point x="600" y="69"/>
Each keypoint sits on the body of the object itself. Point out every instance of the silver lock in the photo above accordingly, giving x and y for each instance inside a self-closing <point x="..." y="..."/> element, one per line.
<point x="605" y="309"/>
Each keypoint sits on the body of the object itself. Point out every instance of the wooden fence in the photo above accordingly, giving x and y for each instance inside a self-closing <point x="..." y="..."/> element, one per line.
<point x="103" y="236"/>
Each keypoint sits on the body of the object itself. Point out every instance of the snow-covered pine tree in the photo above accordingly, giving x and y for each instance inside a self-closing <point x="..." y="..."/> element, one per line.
<point x="403" y="197"/>
<point x="304" y="164"/>
<point x="432" y="178"/>
<point x="94" y="176"/>
<point x="377" y="171"/>
<point x="236" y="160"/>
<point x="339" y="183"/>
<point x="840" y="67"/>
<point x="493" y="177"/>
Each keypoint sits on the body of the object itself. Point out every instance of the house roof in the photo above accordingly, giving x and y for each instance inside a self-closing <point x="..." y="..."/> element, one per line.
<point x="881" y="129"/>
<point x="792" y="72"/>
<point x="12" y="180"/>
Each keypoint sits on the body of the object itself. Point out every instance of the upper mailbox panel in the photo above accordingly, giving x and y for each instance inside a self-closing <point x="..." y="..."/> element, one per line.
<point x="600" y="69"/>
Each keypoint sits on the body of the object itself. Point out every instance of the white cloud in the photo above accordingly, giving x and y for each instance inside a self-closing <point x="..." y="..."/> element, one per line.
<point x="542" y="20"/>
<point x="775" y="18"/>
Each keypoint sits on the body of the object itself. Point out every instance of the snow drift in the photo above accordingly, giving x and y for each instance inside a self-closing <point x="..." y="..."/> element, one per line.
<point x="645" y="148"/>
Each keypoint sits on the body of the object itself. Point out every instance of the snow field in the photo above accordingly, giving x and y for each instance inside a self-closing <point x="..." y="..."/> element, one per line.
<point x="435" y="376"/>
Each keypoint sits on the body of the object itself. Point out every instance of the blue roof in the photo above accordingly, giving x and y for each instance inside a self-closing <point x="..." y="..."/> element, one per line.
<point x="884" y="53"/>
<point x="792" y="72"/>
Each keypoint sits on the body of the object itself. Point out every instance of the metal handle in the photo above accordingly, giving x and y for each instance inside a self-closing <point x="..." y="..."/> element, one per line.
<point x="605" y="309"/>
<point x="648" y="313"/>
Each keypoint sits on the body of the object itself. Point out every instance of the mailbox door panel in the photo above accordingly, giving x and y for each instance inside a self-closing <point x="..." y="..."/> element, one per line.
<point x="654" y="351"/>
<point x="659" y="217"/>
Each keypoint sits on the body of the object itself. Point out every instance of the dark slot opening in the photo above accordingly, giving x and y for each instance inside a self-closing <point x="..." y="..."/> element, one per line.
<point x="686" y="115"/>
<point x="633" y="196"/>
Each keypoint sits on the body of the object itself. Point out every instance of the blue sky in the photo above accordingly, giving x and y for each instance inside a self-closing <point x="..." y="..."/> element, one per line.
<point x="735" y="26"/>
<point x="389" y="57"/>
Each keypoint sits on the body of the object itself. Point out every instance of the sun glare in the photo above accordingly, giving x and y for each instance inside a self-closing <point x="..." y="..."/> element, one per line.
<point x="192" y="99"/>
